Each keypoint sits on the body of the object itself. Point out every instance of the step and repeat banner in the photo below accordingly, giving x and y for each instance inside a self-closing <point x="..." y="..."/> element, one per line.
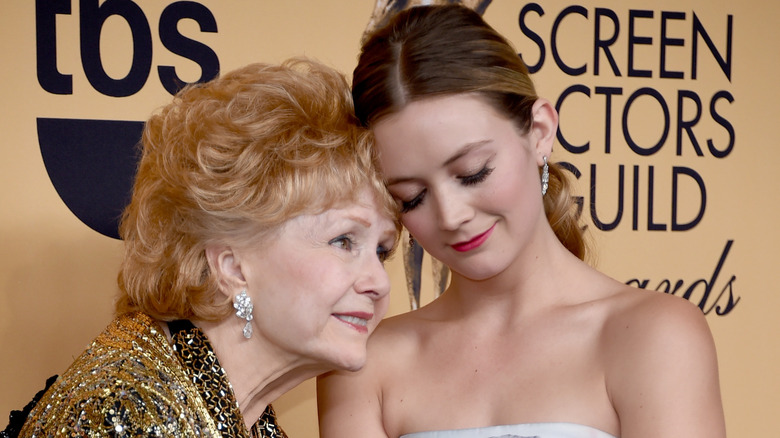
<point x="666" y="111"/>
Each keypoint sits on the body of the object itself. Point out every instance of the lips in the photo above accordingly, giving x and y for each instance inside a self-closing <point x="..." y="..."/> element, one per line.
<point x="475" y="242"/>
<point x="356" y="320"/>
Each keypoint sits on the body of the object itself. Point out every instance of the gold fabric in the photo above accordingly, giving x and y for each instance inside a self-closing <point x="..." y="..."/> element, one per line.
<point x="132" y="382"/>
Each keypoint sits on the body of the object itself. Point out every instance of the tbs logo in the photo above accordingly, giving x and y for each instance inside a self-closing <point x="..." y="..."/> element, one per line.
<point x="92" y="162"/>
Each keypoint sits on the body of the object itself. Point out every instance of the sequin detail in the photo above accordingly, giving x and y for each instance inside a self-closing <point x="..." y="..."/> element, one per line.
<point x="197" y="355"/>
<point x="129" y="382"/>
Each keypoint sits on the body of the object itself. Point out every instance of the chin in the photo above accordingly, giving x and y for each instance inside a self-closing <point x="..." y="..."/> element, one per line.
<point x="354" y="365"/>
<point x="475" y="273"/>
<point x="482" y="267"/>
<point x="350" y="361"/>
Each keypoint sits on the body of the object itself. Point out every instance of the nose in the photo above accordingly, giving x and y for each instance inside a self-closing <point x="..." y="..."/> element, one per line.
<point x="374" y="280"/>
<point x="452" y="211"/>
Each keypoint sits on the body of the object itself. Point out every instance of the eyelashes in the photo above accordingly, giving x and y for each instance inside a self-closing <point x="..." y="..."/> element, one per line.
<point x="347" y="243"/>
<point x="476" y="178"/>
<point x="383" y="253"/>
<point x="407" y="206"/>
<point x="344" y="242"/>
<point x="466" y="180"/>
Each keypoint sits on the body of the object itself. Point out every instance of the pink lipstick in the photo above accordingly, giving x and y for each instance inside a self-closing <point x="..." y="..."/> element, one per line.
<point x="356" y="320"/>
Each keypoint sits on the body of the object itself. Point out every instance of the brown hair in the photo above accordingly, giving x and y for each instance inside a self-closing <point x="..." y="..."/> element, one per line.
<point x="441" y="50"/>
<point x="228" y="162"/>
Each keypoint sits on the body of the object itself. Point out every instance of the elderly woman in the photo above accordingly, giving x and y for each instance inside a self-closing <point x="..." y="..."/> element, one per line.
<point x="255" y="242"/>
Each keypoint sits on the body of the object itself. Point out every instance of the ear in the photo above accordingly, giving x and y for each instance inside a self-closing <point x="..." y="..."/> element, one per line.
<point x="226" y="267"/>
<point x="544" y="128"/>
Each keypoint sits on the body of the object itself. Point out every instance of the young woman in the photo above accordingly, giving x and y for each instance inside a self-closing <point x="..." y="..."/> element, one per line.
<point x="528" y="340"/>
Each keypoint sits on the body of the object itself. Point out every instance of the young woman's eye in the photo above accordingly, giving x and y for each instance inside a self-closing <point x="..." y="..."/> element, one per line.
<point x="344" y="242"/>
<point x="470" y="180"/>
<point x="407" y="206"/>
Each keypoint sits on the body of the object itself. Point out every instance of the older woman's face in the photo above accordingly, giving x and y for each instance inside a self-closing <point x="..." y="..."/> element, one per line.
<point x="319" y="287"/>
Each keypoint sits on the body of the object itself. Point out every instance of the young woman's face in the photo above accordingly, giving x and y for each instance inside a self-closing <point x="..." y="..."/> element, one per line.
<point x="319" y="287"/>
<point x="467" y="180"/>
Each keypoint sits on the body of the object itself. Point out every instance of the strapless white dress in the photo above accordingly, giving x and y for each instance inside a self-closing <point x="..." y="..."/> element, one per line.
<point x="532" y="430"/>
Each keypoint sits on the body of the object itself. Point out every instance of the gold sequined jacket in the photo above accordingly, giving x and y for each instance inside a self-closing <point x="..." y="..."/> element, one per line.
<point x="132" y="381"/>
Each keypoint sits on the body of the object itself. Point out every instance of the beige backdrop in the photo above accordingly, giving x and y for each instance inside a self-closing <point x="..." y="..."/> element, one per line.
<point x="57" y="279"/>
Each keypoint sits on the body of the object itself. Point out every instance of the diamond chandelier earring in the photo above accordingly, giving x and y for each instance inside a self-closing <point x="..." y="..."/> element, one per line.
<point x="545" y="175"/>
<point x="243" y="305"/>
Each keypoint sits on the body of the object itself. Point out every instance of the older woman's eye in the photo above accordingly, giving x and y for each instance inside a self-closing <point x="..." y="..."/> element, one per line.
<point x="344" y="242"/>
<point x="383" y="253"/>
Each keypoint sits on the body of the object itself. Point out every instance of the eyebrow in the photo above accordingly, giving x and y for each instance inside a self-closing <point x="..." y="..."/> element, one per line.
<point x="464" y="151"/>
<point x="460" y="153"/>
<point x="360" y="220"/>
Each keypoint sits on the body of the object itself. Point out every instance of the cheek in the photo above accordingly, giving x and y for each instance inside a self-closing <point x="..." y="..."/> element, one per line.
<point x="520" y="184"/>
<point x="418" y="223"/>
<point x="507" y="193"/>
<point x="306" y="282"/>
<point x="328" y="283"/>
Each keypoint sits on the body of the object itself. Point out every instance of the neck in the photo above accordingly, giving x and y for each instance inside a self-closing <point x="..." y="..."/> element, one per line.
<point x="258" y="372"/>
<point x="537" y="279"/>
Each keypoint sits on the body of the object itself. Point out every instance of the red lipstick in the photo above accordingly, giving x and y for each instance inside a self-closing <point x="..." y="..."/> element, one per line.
<point x="476" y="242"/>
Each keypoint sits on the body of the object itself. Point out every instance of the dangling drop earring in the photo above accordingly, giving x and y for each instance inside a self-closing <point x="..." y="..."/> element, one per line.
<point x="243" y="305"/>
<point x="545" y="175"/>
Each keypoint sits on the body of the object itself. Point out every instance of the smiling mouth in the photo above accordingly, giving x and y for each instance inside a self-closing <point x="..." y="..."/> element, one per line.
<point x="357" y="322"/>
<point x="475" y="242"/>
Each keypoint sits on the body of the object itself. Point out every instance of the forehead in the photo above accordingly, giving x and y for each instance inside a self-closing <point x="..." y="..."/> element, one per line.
<point x="363" y="207"/>
<point x="431" y="129"/>
<point x="441" y="109"/>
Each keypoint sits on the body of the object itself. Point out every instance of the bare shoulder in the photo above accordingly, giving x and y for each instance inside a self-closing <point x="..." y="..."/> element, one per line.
<point x="401" y="325"/>
<point x="398" y="337"/>
<point x="651" y="319"/>
<point x="661" y="367"/>
<point x="350" y="403"/>
<point x="643" y="313"/>
<point x="392" y="343"/>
